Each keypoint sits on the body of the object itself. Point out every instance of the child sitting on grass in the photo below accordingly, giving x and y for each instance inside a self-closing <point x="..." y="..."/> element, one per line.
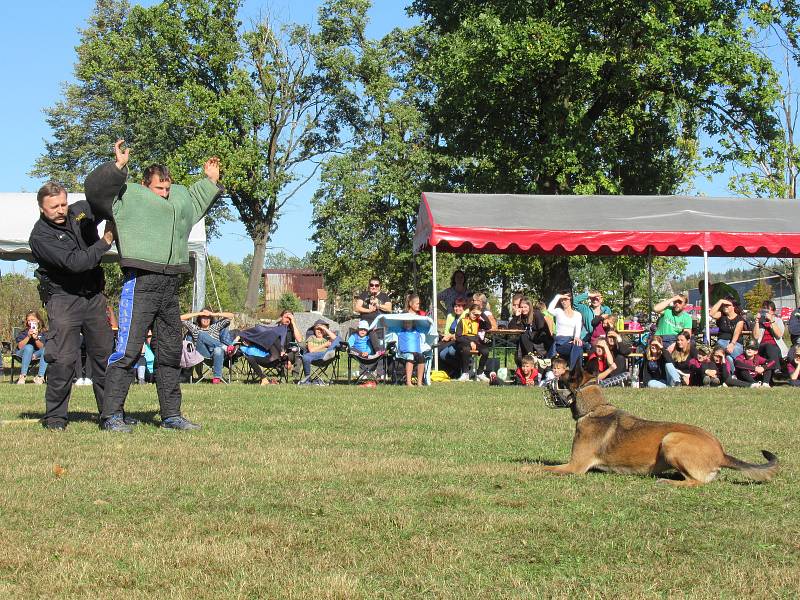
<point x="409" y="348"/>
<point x="754" y="368"/>
<point x="527" y="373"/>
<point x="557" y="368"/>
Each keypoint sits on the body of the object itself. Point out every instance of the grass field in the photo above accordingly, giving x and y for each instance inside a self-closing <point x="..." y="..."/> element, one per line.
<point x="345" y="492"/>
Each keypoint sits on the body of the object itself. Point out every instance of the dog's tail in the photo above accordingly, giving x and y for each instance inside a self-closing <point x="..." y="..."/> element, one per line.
<point x="763" y="472"/>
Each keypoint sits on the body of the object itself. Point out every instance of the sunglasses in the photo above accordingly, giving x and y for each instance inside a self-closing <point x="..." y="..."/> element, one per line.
<point x="678" y="302"/>
<point x="374" y="285"/>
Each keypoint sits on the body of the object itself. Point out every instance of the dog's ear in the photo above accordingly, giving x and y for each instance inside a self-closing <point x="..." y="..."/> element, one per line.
<point x="575" y="377"/>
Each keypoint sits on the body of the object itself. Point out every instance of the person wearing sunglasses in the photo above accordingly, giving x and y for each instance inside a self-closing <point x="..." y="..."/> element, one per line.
<point x="673" y="319"/>
<point x="372" y="302"/>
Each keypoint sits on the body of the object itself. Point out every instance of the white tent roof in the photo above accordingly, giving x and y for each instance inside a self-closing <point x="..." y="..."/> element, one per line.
<point x="20" y="213"/>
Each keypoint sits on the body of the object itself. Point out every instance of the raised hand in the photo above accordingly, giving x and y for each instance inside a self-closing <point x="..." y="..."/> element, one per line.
<point x="121" y="156"/>
<point x="211" y="169"/>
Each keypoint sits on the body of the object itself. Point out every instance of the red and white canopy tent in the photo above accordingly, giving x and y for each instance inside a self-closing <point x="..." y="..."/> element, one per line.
<point x="607" y="225"/>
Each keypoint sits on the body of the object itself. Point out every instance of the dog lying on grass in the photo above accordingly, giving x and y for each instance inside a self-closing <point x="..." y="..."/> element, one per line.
<point x="609" y="439"/>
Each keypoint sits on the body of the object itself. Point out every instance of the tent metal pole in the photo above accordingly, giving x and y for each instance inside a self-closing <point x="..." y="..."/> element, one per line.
<point x="435" y="304"/>
<point x="707" y="338"/>
<point x="650" y="285"/>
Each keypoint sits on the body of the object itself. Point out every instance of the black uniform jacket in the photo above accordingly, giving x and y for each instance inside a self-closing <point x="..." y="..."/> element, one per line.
<point x="69" y="254"/>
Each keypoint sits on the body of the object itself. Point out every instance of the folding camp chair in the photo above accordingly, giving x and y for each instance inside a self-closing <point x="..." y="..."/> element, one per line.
<point x="393" y="325"/>
<point x="372" y="366"/>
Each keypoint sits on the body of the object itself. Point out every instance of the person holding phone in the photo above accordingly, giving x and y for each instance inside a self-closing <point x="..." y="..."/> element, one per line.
<point x="768" y="332"/>
<point x="30" y="347"/>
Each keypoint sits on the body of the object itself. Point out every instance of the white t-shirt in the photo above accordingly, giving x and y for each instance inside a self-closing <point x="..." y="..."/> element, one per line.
<point x="565" y="325"/>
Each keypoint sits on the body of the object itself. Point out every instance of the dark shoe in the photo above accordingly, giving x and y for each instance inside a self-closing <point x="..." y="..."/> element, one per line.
<point x="179" y="423"/>
<point x="132" y="421"/>
<point x="54" y="426"/>
<point x="116" y="424"/>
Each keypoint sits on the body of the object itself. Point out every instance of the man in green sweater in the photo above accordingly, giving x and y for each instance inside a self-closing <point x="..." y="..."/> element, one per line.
<point x="152" y="221"/>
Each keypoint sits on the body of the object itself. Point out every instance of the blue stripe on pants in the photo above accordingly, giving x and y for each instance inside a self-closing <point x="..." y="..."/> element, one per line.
<point x="125" y="316"/>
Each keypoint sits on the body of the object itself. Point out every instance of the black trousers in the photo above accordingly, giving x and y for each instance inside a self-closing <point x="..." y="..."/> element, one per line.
<point x="148" y="301"/>
<point x="69" y="317"/>
<point x="464" y="349"/>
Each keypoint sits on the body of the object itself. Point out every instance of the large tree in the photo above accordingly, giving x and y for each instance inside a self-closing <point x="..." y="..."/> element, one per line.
<point x="184" y="79"/>
<point x="595" y="97"/>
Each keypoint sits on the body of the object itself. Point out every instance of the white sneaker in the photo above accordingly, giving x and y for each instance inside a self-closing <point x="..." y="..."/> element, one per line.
<point x="464" y="377"/>
<point x="756" y="384"/>
<point x="482" y="377"/>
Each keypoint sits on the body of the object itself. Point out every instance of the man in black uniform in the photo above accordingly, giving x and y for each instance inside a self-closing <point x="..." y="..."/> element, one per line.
<point x="65" y="243"/>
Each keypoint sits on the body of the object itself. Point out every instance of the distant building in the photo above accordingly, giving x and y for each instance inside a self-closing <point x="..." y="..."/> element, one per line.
<point x="782" y="291"/>
<point x="306" y="284"/>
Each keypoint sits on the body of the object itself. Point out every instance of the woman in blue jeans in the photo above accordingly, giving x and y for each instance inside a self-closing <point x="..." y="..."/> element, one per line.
<point x="567" y="341"/>
<point x="30" y="346"/>
<point x="209" y="331"/>
<point x="657" y="368"/>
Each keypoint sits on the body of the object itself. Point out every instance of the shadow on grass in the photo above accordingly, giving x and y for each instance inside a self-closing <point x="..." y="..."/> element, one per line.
<point x="536" y="461"/>
<point x="148" y="417"/>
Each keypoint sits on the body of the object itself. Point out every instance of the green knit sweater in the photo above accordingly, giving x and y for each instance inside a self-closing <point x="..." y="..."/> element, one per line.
<point x="152" y="232"/>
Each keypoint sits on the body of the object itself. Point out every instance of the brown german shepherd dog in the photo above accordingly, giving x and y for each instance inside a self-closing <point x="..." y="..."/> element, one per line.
<point x="609" y="439"/>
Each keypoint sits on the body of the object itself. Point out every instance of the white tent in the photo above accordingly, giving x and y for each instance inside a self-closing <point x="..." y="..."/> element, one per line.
<point x="21" y="213"/>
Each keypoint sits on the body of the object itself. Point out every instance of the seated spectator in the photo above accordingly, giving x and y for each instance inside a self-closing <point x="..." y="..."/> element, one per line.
<point x="753" y="368"/>
<point x="448" y="353"/>
<point x="558" y="367"/>
<point x="602" y="325"/>
<point x="146" y="360"/>
<point x="262" y="346"/>
<point x="514" y="310"/>
<point x="471" y="337"/>
<point x="657" y="368"/>
<point x="30" y="346"/>
<point x="730" y="323"/>
<point x="567" y="341"/>
<point x="458" y="289"/>
<point x="209" y="333"/>
<point x="527" y="373"/>
<point x="620" y="349"/>
<point x="673" y="319"/>
<point x="486" y="310"/>
<point x="409" y="349"/>
<point x="293" y="339"/>
<point x="536" y="338"/>
<point x="793" y="365"/>
<point x="318" y="344"/>
<point x="590" y="306"/>
<point x="682" y="356"/>
<point x="359" y="341"/>
<point x="768" y="332"/>
<point x="412" y="305"/>
<point x="609" y="368"/>
<point x="701" y="369"/>
<point x="724" y="373"/>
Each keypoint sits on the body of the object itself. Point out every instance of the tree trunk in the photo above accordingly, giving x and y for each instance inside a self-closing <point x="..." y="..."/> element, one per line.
<point x="505" y="298"/>
<point x="252" y="300"/>
<point x="627" y="294"/>
<point x="555" y="276"/>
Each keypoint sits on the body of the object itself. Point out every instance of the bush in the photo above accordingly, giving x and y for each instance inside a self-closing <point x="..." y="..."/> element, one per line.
<point x="18" y="296"/>
<point x="288" y="301"/>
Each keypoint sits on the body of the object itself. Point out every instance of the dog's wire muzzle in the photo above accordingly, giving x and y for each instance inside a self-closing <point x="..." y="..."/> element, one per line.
<point x="557" y="395"/>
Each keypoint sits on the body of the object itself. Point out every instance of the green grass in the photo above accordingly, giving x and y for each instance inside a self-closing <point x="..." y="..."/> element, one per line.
<point x="345" y="492"/>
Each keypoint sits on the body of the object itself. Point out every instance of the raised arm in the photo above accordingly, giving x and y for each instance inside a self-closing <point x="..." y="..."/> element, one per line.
<point x="205" y="192"/>
<point x="103" y="185"/>
<point x="662" y="306"/>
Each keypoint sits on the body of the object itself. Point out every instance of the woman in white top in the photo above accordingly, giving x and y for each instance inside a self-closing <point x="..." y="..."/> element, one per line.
<point x="567" y="341"/>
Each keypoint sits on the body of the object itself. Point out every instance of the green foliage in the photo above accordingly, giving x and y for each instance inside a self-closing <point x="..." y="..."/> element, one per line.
<point x="754" y="298"/>
<point x="290" y="301"/>
<point x="183" y="80"/>
<point x="18" y="296"/>
<point x="366" y="206"/>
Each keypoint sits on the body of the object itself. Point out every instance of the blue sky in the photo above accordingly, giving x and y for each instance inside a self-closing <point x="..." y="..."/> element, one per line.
<point x="42" y="43"/>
